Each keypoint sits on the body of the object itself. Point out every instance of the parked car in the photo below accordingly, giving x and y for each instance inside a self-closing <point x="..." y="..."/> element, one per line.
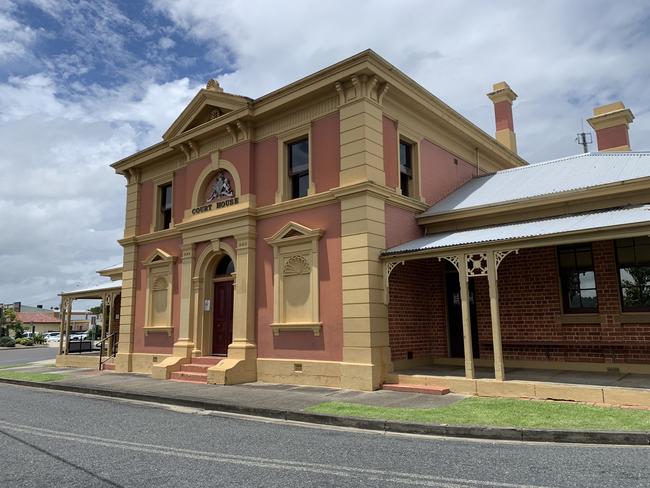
<point x="52" y="336"/>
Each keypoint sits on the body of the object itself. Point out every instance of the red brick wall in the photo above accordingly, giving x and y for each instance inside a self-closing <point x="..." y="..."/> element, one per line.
<point x="531" y="312"/>
<point x="416" y="311"/>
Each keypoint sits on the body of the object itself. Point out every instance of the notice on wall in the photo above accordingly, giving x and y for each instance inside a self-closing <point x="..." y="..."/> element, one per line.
<point x="206" y="305"/>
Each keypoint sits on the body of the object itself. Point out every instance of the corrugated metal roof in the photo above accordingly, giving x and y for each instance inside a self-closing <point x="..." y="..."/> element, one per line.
<point x="532" y="228"/>
<point x="559" y="175"/>
<point x="103" y="287"/>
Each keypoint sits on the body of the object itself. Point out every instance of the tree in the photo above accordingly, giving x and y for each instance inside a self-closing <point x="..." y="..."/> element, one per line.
<point x="96" y="310"/>
<point x="11" y="322"/>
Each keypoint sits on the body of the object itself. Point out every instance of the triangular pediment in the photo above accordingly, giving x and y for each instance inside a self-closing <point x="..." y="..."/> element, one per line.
<point x="209" y="104"/>
<point x="158" y="257"/>
<point x="294" y="231"/>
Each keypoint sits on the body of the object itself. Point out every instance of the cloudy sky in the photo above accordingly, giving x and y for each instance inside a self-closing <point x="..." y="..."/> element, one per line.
<point x="85" y="83"/>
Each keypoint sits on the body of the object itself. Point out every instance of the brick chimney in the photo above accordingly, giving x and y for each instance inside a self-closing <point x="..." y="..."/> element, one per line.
<point x="502" y="96"/>
<point x="611" y="124"/>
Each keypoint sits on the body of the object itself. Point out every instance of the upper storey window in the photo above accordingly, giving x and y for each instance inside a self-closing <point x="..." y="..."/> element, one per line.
<point x="165" y="206"/>
<point x="406" y="168"/>
<point x="298" y="168"/>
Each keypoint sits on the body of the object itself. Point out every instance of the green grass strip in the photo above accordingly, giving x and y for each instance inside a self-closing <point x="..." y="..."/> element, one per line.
<point x="36" y="377"/>
<point x="502" y="412"/>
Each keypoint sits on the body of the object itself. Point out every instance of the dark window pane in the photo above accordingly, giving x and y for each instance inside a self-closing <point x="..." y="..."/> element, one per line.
<point x="625" y="255"/>
<point x="583" y="259"/>
<point x="404" y="182"/>
<point x="578" y="279"/>
<point x="225" y="267"/>
<point x="405" y="159"/>
<point x="299" y="185"/>
<point x="587" y="280"/>
<point x="166" y="206"/>
<point x="567" y="260"/>
<point x="642" y="254"/>
<point x="589" y="299"/>
<point x="298" y="156"/>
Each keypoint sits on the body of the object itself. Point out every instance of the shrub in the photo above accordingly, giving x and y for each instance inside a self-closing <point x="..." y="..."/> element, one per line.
<point x="25" y="341"/>
<point x="7" y="341"/>
<point x="39" y="338"/>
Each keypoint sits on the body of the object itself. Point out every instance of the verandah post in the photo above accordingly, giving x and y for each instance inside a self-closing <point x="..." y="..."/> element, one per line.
<point x="499" y="371"/>
<point x="467" y="323"/>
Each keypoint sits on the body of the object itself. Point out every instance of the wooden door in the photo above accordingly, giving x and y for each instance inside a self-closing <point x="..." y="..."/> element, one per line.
<point x="222" y="317"/>
<point x="455" y="316"/>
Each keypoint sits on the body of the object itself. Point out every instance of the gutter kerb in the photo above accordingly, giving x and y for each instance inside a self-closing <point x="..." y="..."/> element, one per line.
<point x="388" y="426"/>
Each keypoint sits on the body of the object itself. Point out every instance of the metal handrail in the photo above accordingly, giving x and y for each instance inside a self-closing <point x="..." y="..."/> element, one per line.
<point x="110" y="354"/>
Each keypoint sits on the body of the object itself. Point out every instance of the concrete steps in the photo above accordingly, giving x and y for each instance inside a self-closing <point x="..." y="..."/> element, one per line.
<point x="109" y="366"/>
<point x="197" y="370"/>
<point x="428" y="390"/>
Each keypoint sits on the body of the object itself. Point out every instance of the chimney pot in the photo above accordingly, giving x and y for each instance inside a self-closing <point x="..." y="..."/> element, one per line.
<point x="611" y="123"/>
<point x="502" y="96"/>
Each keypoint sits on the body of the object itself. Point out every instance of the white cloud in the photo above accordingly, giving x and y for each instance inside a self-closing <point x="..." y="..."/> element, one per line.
<point x="558" y="56"/>
<point x="62" y="206"/>
<point x="166" y="43"/>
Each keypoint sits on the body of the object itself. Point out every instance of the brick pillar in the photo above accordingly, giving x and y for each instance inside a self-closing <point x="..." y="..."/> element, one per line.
<point x="611" y="123"/>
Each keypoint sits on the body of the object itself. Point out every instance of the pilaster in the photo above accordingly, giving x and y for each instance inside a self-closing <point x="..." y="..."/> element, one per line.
<point x="366" y="354"/>
<point x="185" y="345"/>
<point x="241" y="364"/>
<point x="127" y="310"/>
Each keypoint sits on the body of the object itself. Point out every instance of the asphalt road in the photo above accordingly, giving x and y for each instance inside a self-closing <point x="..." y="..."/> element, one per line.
<point x="26" y="355"/>
<point x="51" y="438"/>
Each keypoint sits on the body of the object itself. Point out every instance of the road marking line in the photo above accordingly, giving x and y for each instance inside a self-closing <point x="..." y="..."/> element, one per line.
<point x="344" y="471"/>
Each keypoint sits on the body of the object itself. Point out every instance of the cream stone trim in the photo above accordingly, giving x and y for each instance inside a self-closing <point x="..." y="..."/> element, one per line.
<point x="215" y="164"/>
<point x="158" y="182"/>
<point x="159" y="266"/>
<point x="412" y="138"/>
<point x="148" y="329"/>
<point x="295" y="253"/>
<point x="203" y="289"/>
<point x="284" y="139"/>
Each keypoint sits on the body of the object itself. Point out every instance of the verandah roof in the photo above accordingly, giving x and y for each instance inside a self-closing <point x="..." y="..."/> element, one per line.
<point x="602" y="219"/>
<point x="95" y="291"/>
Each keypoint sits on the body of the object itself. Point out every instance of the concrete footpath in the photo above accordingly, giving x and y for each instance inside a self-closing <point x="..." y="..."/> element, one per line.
<point x="288" y="402"/>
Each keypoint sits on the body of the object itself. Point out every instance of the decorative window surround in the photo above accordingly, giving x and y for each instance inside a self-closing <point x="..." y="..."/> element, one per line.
<point x="159" y="292"/>
<point x="410" y="137"/>
<point x="295" y="275"/>
<point x="158" y="183"/>
<point x="284" y="139"/>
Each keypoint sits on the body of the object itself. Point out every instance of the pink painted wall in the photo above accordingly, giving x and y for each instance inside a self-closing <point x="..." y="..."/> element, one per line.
<point x="241" y="157"/>
<point x="440" y="174"/>
<point x="390" y="152"/>
<point x="180" y="193"/>
<point x="299" y="344"/>
<point x="401" y="226"/>
<point x="266" y="171"/>
<point x="146" y="206"/>
<point x="192" y="173"/>
<point x="326" y="152"/>
<point x="158" y="342"/>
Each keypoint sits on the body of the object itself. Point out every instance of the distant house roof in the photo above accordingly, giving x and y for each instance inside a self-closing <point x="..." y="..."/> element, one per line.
<point x="559" y="175"/>
<point x="37" y="317"/>
<point x="617" y="217"/>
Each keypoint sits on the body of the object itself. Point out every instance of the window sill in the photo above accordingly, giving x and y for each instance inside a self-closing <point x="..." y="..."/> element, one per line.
<point x="150" y="329"/>
<point x="315" y="327"/>
<point x="633" y="318"/>
<point x="580" y="318"/>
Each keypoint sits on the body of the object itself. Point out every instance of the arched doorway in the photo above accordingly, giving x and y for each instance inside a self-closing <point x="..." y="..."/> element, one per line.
<point x="222" y="306"/>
